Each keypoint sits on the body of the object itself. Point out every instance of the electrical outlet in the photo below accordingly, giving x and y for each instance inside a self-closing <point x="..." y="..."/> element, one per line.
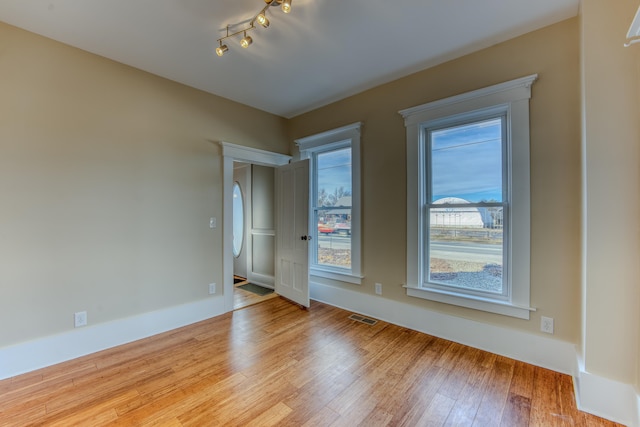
<point x="212" y="288"/>
<point x="80" y="319"/>
<point x="212" y="222"/>
<point x="546" y="324"/>
<point x="379" y="288"/>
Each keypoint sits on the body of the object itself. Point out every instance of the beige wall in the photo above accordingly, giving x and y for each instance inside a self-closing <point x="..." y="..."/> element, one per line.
<point x="553" y="53"/>
<point x="611" y="144"/>
<point x="108" y="177"/>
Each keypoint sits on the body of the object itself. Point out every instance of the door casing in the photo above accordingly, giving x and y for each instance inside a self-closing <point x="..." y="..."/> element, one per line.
<point x="237" y="153"/>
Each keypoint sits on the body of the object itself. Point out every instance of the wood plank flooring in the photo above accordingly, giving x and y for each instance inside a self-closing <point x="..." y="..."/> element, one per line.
<point x="274" y="364"/>
<point x="242" y="298"/>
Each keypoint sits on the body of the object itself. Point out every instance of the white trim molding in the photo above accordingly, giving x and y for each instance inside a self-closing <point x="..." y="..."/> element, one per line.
<point x="497" y="94"/>
<point x="253" y="155"/>
<point x="510" y="98"/>
<point x="348" y="278"/>
<point x="342" y="137"/>
<point x="340" y="134"/>
<point x="237" y="153"/>
<point x="606" y="398"/>
<point x="31" y="355"/>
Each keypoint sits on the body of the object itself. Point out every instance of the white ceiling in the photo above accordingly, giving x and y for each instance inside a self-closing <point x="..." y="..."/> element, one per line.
<point x="323" y="51"/>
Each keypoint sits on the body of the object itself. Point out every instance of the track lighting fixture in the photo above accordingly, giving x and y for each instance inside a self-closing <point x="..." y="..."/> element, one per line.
<point x="260" y="18"/>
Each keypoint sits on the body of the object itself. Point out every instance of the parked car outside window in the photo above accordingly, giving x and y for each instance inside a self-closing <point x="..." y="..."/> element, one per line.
<point x="325" y="229"/>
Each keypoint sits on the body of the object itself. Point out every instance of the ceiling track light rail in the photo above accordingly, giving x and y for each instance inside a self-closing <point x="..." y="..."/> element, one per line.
<point x="260" y="18"/>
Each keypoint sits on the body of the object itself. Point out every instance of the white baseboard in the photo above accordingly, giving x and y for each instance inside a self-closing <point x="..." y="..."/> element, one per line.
<point x="596" y="395"/>
<point x="47" y="351"/>
<point x="608" y="399"/>
<point x="534" y="349"/>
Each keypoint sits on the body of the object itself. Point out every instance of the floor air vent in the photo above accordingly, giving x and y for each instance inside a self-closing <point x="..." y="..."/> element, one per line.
<point x="362" y="319"/>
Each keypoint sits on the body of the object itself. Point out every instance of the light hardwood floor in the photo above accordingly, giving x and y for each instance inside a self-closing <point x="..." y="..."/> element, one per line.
<point x="275" y="364"/>
<point x="242" y="298"/>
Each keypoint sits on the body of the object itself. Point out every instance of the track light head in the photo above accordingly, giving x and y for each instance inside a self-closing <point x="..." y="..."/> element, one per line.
<point x="286" y="6"/>
<point x="262" y="20"/>
<point x="246" y="41"/>
<point x="220" y="50"/>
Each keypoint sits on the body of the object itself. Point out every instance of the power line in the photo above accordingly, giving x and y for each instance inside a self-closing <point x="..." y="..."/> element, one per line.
<point x="466" y="144"/>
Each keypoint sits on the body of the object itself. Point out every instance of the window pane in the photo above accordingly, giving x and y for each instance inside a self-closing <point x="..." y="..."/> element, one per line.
<point x="333" y="213"/>
<point x="465" y="248"/>
<point x="334" y="178"/>
<point x="334" y="237"/>
<point x="466" y="162"/>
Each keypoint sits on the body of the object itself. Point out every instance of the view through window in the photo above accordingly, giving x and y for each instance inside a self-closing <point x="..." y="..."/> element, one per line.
<point x="465" y="206"/>
<point x="332" y="209"/>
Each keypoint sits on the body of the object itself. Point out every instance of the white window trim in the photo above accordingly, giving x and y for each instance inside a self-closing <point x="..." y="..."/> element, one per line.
<point x="321" y="142"/>
<point x="514" y="96"/>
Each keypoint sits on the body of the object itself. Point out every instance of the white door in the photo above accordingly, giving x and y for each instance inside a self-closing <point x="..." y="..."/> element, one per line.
<point x="292" y="242"/>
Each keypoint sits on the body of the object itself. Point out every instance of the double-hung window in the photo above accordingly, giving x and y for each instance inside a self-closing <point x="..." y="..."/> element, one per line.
<point x="468" y="208"/>
<point x="335" y="202"/>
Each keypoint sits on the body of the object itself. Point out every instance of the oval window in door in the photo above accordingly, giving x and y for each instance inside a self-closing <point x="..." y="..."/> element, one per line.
<point x="238" y="219"/>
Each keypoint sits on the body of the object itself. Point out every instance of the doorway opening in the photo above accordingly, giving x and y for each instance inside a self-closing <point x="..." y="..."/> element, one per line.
<point x="245" y="293"/>
<point x="293" y="278"/>
<point x="234" y="156"/>
<point x="254" y="233"/>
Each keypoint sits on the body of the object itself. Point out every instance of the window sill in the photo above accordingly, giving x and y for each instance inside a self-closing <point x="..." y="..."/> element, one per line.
<point x="343" y="277"/>
<point x="469" y="301"/>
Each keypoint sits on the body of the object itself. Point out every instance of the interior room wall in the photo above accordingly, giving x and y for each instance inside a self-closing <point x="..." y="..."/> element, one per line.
<point x="611" y="144"/>
<point x="108" y="177"/>
<point x="552" y="53"/>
